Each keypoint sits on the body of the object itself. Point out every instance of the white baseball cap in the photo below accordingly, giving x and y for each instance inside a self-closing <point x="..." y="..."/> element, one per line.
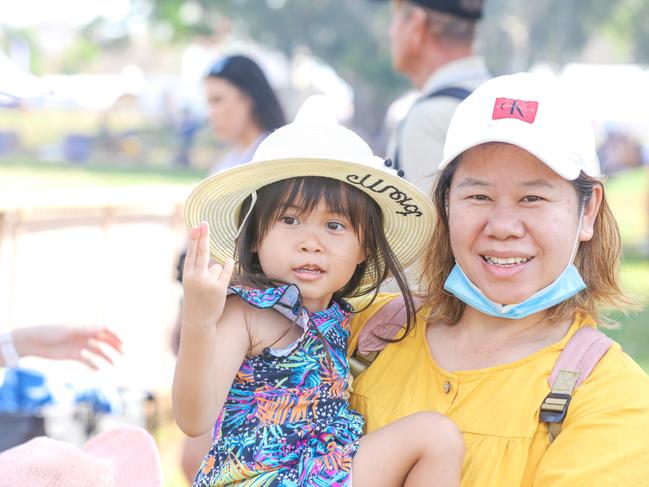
<point x="532" y="112"/>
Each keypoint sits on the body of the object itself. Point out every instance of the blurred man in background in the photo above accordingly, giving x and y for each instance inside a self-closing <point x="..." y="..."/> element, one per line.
<point x="432" y="44"/>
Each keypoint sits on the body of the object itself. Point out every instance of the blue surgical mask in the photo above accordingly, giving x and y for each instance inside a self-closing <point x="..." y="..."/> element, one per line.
<point x="563" y="287"/>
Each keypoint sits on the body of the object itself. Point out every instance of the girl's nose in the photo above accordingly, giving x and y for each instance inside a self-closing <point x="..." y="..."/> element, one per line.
<point x="310" y="242"/>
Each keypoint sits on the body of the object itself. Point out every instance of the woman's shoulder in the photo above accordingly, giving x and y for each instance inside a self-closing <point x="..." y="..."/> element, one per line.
<point x="617" y="383"/>
<point x="615" y="365"/>
<point x="620" y="369"/>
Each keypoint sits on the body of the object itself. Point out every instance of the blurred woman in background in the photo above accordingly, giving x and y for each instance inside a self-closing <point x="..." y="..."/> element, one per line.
<point x="243" y="108"/>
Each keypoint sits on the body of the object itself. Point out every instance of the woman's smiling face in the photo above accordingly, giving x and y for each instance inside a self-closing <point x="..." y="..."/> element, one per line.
<point x="513" y="221"/>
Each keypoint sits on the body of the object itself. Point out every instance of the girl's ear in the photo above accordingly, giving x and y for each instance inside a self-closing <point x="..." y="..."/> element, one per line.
<point x="590" y="214"/>
<point x="362" y="255"/>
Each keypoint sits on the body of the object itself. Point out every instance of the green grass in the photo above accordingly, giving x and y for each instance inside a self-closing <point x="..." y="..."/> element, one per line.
<point x="633" y="334"/>
<point x="22" y="173"/>
<point x="628" y="195"/>
<point x="48" y="125"/>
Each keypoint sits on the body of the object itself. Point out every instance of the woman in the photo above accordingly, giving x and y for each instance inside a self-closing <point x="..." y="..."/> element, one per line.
<point x="524" y="253"/>
<point x="243" y="108"/>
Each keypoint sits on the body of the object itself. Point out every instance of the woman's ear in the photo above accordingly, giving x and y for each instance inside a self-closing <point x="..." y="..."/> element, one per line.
<point x="591" y="209"/>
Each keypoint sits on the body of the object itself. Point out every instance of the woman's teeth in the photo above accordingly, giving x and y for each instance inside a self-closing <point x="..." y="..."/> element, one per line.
<point x="505" y="260"/>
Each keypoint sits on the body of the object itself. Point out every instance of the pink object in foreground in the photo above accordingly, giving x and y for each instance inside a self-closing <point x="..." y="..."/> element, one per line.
<point x="123" y="457"/>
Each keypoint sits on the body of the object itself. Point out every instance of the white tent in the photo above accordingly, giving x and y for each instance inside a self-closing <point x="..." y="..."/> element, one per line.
<point x="15" y="82"/>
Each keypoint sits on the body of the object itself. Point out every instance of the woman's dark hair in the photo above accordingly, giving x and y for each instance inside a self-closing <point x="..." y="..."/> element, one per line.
<point x="306" y="193"/>
<point x="247" y="76"/>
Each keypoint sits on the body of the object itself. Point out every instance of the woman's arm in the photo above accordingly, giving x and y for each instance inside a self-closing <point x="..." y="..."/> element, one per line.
<point x="213" y="340"/>
<point x="85" y="344"/>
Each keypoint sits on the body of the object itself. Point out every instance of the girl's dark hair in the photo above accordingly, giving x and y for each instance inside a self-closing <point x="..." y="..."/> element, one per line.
<point x="306" y="193"/>
<point x="246" y="75"/>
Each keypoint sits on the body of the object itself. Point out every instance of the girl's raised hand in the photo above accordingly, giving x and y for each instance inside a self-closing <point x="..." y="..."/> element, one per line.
<point x="205" y="287"/>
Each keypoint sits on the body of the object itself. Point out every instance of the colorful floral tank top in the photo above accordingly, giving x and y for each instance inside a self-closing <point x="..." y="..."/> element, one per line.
<point x="286" y="420"/>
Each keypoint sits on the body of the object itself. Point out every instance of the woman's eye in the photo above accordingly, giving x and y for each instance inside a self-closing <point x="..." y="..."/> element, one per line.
<point x="288" y="220"/>
<point x="532" y="198"/>
<point x="335" y="226"/>
<point x="479" y="197"/>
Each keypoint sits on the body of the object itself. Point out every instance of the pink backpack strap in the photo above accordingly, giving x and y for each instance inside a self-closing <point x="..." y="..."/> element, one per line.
<point x="577" y="360"/>
<point x="384" y="323"/>
<point x="582" y="353"/>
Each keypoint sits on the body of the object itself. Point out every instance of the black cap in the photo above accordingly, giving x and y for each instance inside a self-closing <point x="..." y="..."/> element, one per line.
<point x="464" y="9"/>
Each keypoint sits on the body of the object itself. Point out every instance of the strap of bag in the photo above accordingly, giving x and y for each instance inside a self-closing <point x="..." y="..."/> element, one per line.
<point x="577" y="360"/>
<point x="385" y="323"/>
<point x="450" y="91"/>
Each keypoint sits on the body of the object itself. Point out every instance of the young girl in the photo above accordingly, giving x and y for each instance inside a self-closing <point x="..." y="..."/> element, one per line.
<point x="315" y="218"/>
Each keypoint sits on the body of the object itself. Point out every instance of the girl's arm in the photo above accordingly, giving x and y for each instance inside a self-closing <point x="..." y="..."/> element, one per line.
<point x="213" y="340"/>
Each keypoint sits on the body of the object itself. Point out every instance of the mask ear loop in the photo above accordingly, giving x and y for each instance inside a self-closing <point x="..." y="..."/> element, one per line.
<point x="253" y="197"/>
<point x="576" y="244"/>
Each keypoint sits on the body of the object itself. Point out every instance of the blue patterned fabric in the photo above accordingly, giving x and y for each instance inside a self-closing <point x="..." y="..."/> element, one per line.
<point x="287" y="420"/>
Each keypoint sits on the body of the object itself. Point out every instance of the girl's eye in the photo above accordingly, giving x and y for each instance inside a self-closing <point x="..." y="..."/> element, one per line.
<point x="532" y="198"/>
<point x="336" y="226"/>
<point x="288" y="220"/>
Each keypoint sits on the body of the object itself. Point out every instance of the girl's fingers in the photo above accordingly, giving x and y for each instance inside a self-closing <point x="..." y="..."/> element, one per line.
<point x="226" y="275"/>
<point x="190" y="256"/>
<point x="223" y="273"/>
<point x="202" y="250"/>
<point x="216" y="269"/>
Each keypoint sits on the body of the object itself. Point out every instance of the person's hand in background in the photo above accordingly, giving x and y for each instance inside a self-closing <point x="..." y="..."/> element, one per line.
<point x="89" y="345"/>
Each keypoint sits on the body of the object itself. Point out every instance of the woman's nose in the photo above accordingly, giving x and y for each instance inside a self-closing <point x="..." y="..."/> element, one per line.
<point x="503" y="222"/>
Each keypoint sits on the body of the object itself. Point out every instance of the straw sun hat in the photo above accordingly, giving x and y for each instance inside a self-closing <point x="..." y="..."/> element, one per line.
<point x="314" y="145"/>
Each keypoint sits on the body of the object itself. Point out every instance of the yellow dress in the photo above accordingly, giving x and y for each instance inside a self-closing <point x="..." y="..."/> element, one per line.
<point x="604" y="440"/>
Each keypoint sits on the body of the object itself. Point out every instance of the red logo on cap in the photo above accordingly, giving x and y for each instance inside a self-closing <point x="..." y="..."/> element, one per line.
<point x="518" y="109"/>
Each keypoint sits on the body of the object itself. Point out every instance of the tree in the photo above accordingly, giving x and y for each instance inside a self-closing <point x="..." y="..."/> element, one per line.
<point x="350" y="35"/>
